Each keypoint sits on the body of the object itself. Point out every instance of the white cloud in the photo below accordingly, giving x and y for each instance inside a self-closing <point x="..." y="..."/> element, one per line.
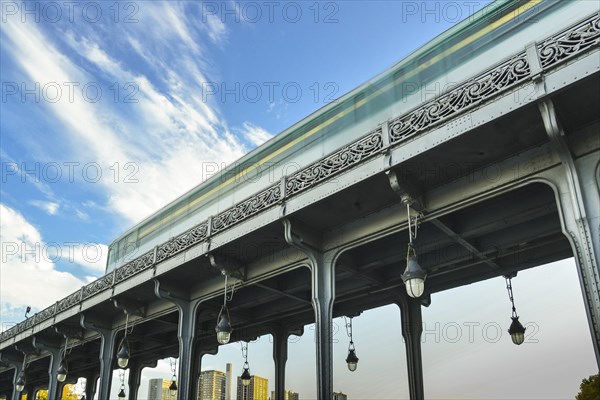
<point x="180" y="130"/>
<point x="50" y="207"/>
<point x="28" y="277"/>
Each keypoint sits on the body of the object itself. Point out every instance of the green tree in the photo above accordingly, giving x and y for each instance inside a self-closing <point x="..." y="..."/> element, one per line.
<point x="68" y="394"/>
<point x="589" y="388"/>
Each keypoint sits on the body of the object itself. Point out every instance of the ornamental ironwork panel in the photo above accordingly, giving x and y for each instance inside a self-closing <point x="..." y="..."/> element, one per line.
<point x="97" y="286"/>
<point x="45" y="314"/>
<point x="467" y="96"/>
<point x="184" y="241"/>
<point x="68" y="301"/>
<point x="133" y="267"/>
<point x="570" y="43"/>
<point x="246" y="208"/>
<point x="335" y="163"/>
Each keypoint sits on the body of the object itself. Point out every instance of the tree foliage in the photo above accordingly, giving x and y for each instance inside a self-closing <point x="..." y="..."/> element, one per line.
<point x="68" y="394"/>
<point x="589" y="388"/>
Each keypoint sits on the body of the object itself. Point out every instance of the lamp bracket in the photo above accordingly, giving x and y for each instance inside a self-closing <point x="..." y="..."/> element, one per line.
<point x="130" y="307"/>
<point x="510" y="275"/>
<point x="408" y="195"/>
<point x="228" y="266"/>
<point x="69" y="332"/>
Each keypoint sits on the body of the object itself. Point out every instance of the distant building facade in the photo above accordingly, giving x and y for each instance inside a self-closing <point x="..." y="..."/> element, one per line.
<point x="211" y="385"/>
<point x="158" y="389"/>
<point x="339" y="396"/>
<point x="258" y="389"/>
<point x="289" y="395"/>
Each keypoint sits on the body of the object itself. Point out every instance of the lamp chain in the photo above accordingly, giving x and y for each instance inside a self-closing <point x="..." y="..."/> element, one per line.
<point x="348" y="322"/>
<point x="511" y="297"/>
<point x="122" y="378"/>
<point x="173" y="368"/>
<point x="245" y="353"/>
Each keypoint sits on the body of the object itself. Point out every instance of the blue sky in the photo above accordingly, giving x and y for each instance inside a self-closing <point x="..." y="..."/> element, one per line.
<point x="112" y="109"/>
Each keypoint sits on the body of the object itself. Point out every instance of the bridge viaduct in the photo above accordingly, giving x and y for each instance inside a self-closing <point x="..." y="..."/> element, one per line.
<point x="500" y="172"/>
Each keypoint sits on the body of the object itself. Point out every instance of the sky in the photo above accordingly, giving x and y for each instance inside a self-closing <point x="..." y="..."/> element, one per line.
<point x="111" y="109"/>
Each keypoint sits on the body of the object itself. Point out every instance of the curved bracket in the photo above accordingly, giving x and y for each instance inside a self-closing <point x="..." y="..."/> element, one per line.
<point x="130" y="307"/>
<point x="228" y="266"/>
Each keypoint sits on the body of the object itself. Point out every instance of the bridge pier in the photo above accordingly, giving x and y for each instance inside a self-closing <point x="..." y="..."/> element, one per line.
<point x="91" y="380"/>
<point x="135" y="375"/>
<point x="412" y="328"/>
<point x="30" y="390"/>
<point x="186" y="333"/>
<point x="55" y="358"/>
<point x="281" y="334"/>
<point x="197" y="367"/>
<point x="107" y="354"/>
<point x="323" y="296"/>
<point x="577" y="185"/>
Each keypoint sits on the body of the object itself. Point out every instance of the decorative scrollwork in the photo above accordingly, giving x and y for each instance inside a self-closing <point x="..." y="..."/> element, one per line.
<point x="68" y="301"/>
<point x="45" y="314"/>
<point x="184" y="241"/>
<point x="133" y="267"/>
<point x="468" y="95"/>
<point x="570" y="42"/>
<point x="335" y="163"/>
<point x="246" y="208"/>
<point x="97" y="286"/>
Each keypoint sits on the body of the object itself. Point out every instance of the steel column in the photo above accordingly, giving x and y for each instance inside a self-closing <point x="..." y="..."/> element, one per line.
<point x="197" y="366"/>
<point x="186" y="333"/>
<point x="91" y="382"/>
<point x="107" y="354"/>
<point x="412" y="327"/>
<point x="280" y="355"/>
<point x="135" y="375"/>
<point x="30" y="390"/>
<point x="579" y="204"/>
<point x="55" y="358"/>
<point x="18" y="366"/>
<point x="323" y="296"/>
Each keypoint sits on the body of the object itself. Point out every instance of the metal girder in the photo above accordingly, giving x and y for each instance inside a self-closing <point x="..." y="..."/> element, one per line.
<point x="282" y="293"/>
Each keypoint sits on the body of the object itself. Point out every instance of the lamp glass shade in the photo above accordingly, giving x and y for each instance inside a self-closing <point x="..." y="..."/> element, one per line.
<point x="246" y="377"/>
<point x="61" y="372"/>
<point x="123" y="355"/>
<point x="223" y="327"/>
<point x="414" y="277"/>
<point x="122" y="394"/>
<point x="415" y="287"/>
<point x="352" y="360"/>
<point x="516" y="331"/>
<point x="173" y="388"/>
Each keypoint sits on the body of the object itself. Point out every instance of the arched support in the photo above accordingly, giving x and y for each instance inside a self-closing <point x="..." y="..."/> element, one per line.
<point x="18" y="366"/>
<point x="323" y="296"/>
<point x="579" y="204"/>
<point x="186" y="333"/>
<point x="135" y="375"/>
<point x="281" y="335"/>
<point x="107" y="354"/>
<point x="55" y="351"/>
<point x="412" y="328"/>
